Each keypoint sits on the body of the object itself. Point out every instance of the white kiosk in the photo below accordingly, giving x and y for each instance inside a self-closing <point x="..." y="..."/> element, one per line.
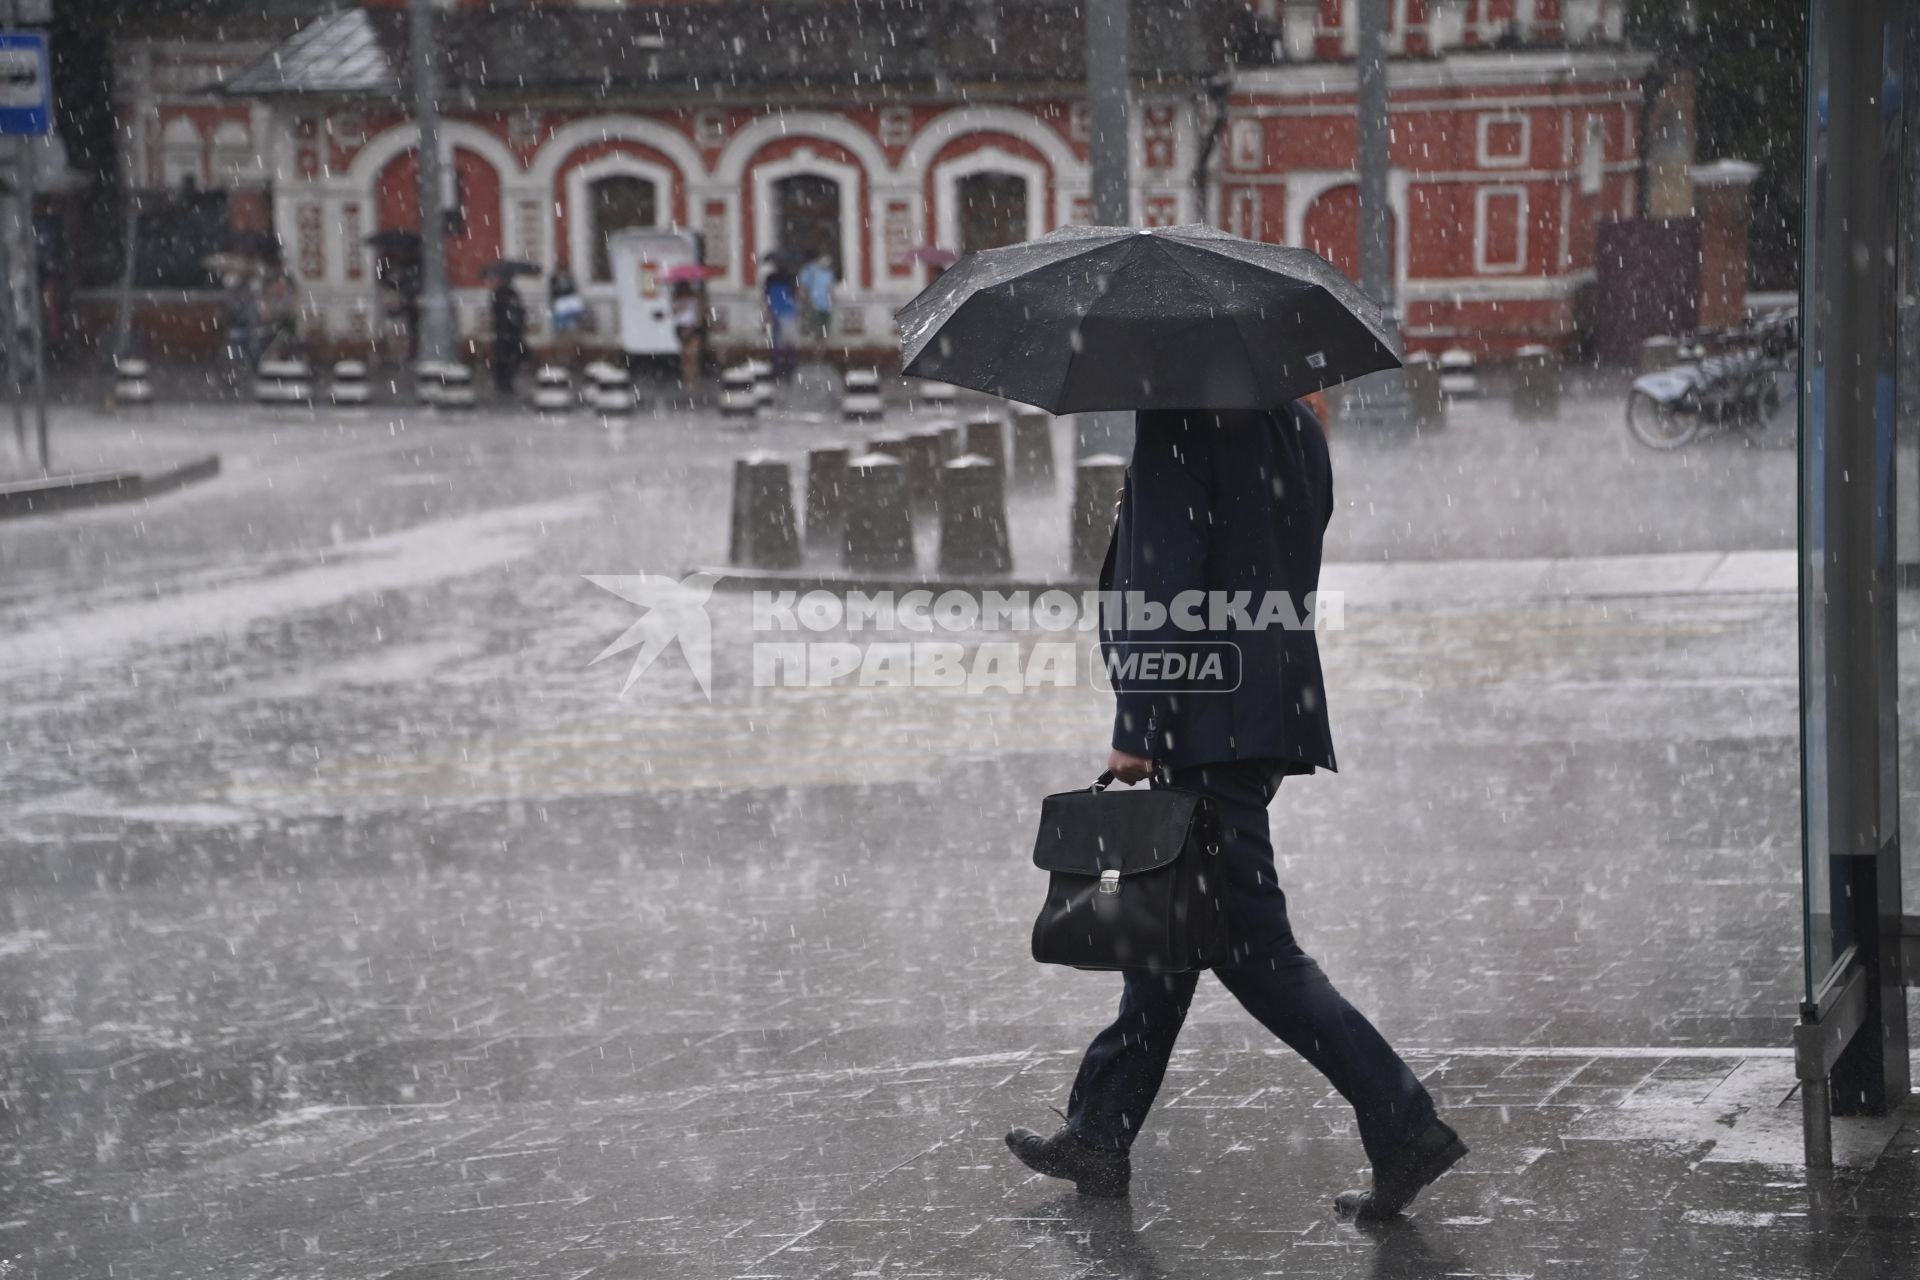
<point x="641" y="258"/>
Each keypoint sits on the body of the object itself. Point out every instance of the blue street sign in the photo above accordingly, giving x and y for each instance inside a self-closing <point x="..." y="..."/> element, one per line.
<point x="26" y="83"/>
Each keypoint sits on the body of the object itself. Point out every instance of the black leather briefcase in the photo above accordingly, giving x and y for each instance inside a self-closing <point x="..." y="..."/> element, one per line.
<point x="1135" y="880"/>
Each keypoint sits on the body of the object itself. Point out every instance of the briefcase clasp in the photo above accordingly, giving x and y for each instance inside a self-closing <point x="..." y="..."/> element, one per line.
<point x="1110" y="881"/>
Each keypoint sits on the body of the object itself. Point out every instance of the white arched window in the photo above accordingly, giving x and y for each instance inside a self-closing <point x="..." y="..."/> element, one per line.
<point x="613" y="193"/>
<point x="988" y="198"/>
<point x="235" y="162"/>
<point x="182" y="154"/>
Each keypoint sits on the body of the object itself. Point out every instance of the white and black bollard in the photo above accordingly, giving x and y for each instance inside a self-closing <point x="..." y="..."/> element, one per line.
<point x="348" y="387"/>
<point x="933" y="397"/>
<point x="762" y="382"/>
<point x="739" y="398"/>
<point x="552" y="389"/>
<point x="609" y="389"/>
<point x="132" y="383"/>
<point x="1459" y="373"/>
<point x="283" y="382"/>
<point x="860" y="396"/>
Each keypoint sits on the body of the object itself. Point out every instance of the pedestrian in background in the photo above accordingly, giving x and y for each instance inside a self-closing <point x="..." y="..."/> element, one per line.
<point x="689" y="329"/>
<point x="817" y="280"/>
<point x="567" y="312"/>
<point x="783" y="317"/>
<point x="509" y="333"/>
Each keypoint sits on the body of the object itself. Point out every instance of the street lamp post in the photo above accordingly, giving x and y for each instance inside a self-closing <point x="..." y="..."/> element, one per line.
<point x="436" y="304"/>
<point x="1383" y="400"/>
<point x="1109" y="142"/>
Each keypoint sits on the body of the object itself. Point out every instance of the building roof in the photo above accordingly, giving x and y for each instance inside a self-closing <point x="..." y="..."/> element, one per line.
<point x="717" y="50"/>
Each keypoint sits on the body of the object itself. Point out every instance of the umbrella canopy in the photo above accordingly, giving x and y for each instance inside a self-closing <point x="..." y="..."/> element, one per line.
<point x="1182" y="317"/>
<point x="510" y="267"/>
<point x="395" y="243"/>
<point x="686" y="271"/>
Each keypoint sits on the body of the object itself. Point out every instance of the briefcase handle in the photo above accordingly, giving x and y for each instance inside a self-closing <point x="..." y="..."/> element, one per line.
<point x="1161" y="777"/>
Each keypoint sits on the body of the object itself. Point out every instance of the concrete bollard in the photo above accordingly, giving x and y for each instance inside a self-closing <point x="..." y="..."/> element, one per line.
<point x="609" y="389"/>
<point x="1657" y="353"/>
<point x="879" y="521"/>
<point x="986" y="435"/>
<point x="762" y="536"/>
<point x="738" y="399"/>
<point x="1094" y="480"/>
<point x="1426" y="403"/>
<point x="973" y="517"/>
<point x="1459" y="373"/>
<point x="1032" y="451"/>
<point x="860" y="396"/>
<point x="925" y="453"/>
<point x="283" y="382"/>
<point x="932" y="396"/>
<point x="826" y="497"/>
<point x="348" y="387"/>
<point x="1536" y="384"/>
<point x="132" y="382"/>
<point x="552" y="389"/>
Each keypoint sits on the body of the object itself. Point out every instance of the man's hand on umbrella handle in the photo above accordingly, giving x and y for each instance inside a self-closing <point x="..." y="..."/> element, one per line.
<point x="1128" y="768"/>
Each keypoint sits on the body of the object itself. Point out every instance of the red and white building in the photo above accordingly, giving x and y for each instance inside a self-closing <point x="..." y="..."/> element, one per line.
<point x="865" y="131"/>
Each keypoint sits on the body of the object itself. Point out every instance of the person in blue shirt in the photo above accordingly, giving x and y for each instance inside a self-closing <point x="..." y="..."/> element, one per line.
<point x="783" y="316"/>
<point x="816" y="293"/>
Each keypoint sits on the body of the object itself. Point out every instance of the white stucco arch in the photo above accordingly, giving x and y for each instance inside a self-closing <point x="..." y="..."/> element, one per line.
<point x="364" y="170"/>
<point x="569" y="138"/>
<point x="946" y="190"/>
<point x="579" y="232"/>
<point x="1068" y="169"/>
<point x="846" y="176"/>
<point x="1304" y="186"/>
<point x="747" y="141"/>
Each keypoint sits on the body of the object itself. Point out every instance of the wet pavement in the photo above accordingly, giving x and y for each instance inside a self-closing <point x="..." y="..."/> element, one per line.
<point x="351" y="925"/>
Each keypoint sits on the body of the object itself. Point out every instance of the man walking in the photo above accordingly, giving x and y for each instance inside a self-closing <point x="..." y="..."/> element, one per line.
<point x="1221" y="506"/>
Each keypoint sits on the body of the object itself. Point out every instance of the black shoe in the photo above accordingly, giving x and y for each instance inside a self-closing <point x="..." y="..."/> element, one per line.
<point x="1094" y="1172"/>
<point x="1413" y="1168"/>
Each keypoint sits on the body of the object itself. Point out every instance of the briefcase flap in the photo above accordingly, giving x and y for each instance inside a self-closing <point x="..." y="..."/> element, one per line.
<point x="1085" y="832"/>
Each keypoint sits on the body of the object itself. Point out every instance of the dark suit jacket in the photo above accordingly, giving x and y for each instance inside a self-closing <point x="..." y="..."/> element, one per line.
<point x="1223" y="502"/>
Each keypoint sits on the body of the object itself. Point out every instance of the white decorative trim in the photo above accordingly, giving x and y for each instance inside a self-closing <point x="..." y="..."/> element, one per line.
<point x="946" y="193"/>
<point x="1478" y="69"/>
<point x="1307" y="185"/>
<point x="1480" y="201"/>
<point x="579" y="206"/>
<point x="364" y="170"/>
<point x="1487" y="159"/>
<point x="1068" y="168"/>
<point x="747" y="142"/>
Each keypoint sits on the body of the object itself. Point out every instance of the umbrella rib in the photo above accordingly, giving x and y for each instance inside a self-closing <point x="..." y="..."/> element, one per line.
<point x="1219" y="251"/>
<point x="1073" y="353"/>
<point x="1253" y="360"/>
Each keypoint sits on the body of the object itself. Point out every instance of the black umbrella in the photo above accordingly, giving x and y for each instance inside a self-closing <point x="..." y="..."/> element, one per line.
<point x="510" y="267"/>
<point x="395" y="243"/>
<point x="1169" y="318"/>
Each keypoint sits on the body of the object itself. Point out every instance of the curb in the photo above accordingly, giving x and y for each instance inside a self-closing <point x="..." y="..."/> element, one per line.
<point x="99" y="488"/>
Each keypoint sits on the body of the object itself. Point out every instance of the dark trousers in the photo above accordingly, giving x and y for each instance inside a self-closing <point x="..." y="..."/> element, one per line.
<point x="1269" y="974"/>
